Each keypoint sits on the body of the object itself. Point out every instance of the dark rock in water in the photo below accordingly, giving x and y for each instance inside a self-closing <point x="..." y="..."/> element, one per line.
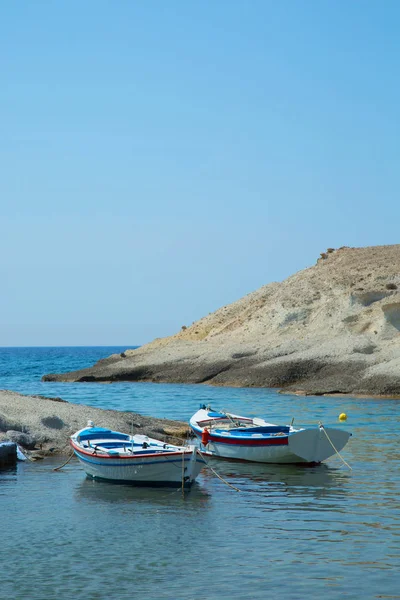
<point x="22" y="439"/>
<point x="8" y="454"/>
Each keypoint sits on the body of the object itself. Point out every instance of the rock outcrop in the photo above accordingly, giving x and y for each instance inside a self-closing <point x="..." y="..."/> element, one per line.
<point x="43" y="426"/>
<point x="331" y="328"/>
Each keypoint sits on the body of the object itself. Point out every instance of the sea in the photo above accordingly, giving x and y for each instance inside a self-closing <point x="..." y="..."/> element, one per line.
<point x="329" y="531"/>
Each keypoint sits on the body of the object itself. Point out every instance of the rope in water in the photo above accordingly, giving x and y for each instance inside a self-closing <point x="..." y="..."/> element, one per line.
<point x="333" y="446"/>
<point x="66" y="462"/>
<point x="183" y="472"/>
<point x="217" y="474"/>
<point x="211" y="469"/>
<point x="208" y="464"/>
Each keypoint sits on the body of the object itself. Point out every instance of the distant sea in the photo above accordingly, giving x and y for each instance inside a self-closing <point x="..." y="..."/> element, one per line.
<point x="293" y="532"/>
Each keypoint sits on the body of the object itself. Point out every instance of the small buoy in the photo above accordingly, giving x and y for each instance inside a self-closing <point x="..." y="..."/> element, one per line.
<point x="342" y="417"/>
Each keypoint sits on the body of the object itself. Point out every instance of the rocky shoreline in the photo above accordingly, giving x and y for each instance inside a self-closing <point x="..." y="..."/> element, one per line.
<point x="333" y="328"/>
<point x="42" y="426"/>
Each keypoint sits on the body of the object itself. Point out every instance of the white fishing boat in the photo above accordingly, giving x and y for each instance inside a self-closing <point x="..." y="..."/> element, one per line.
<point x="135" y="459"/>
<point x="227" y="435"/>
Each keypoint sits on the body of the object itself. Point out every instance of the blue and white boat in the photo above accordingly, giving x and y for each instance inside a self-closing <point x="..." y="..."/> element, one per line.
<point x="227" y="435"/>
<point x="135" y="459"/>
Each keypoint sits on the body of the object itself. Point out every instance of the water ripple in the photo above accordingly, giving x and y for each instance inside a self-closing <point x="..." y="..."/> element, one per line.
<point x="294" y="531"/>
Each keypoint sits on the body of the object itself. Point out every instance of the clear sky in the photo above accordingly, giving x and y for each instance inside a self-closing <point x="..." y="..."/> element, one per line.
<point x="162" y="158"/>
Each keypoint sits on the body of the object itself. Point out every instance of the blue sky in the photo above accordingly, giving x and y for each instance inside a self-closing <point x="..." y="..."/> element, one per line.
<point x="161" y="159"/>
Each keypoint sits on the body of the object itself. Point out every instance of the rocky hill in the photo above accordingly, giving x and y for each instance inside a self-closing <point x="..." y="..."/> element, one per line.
<point x="331" y="328"/>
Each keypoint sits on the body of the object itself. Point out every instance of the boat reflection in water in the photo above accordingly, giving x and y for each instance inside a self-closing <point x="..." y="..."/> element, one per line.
<point x="109" y="493"/>
<point x="283" y="482"/>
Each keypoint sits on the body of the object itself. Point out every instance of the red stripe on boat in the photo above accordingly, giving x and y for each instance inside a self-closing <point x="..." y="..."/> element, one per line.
<point x="276" y="441"/>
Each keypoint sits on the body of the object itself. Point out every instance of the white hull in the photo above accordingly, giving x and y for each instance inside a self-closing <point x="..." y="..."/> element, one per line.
<point x="306" y="446"/>
<point x="162" y="470"/>
<point x="262" y="455"/>
<point x="139" y="460"/>
<point x="249" y="440"/>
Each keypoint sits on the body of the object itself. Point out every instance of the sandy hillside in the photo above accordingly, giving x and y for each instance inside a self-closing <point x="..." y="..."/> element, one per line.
<point x="331" y="328"/>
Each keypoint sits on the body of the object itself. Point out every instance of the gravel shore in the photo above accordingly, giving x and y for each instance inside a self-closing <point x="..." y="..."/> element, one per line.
<point x="42" y="426"/>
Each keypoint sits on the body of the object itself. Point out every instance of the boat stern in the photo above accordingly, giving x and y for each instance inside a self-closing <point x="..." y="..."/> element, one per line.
<point x="317" y="444"/>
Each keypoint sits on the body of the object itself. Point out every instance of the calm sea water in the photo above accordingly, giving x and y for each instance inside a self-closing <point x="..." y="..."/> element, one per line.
<point x="291" y="531"/>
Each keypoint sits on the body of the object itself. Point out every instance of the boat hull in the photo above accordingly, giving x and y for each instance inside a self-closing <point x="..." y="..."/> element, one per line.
<point x="274" y="455"/>
<point x="317" y="444"/>
<point x="151" y="470"/>
<point x="134" y="459"/>
<point x="308" y="446"/>
<point x="296" y="446"/>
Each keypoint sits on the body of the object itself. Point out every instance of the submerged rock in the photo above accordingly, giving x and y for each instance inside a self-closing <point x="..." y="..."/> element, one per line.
<point x="8" y="454"/>
<point x="329" y="329"/>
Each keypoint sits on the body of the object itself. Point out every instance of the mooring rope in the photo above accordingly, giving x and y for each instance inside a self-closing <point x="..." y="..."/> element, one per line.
<point x="333" y="446"/>
<point x="66" y="462"/>
<point x="183" y="472"/>
<point x="232" y="420"/>
<point x="217" y="474"/>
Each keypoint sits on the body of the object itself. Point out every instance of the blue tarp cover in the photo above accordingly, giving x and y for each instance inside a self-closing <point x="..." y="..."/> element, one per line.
<point x="92" y="433"/>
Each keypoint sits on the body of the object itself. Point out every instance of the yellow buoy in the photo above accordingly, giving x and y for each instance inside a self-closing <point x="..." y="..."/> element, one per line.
<point x="342" y="417"/>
